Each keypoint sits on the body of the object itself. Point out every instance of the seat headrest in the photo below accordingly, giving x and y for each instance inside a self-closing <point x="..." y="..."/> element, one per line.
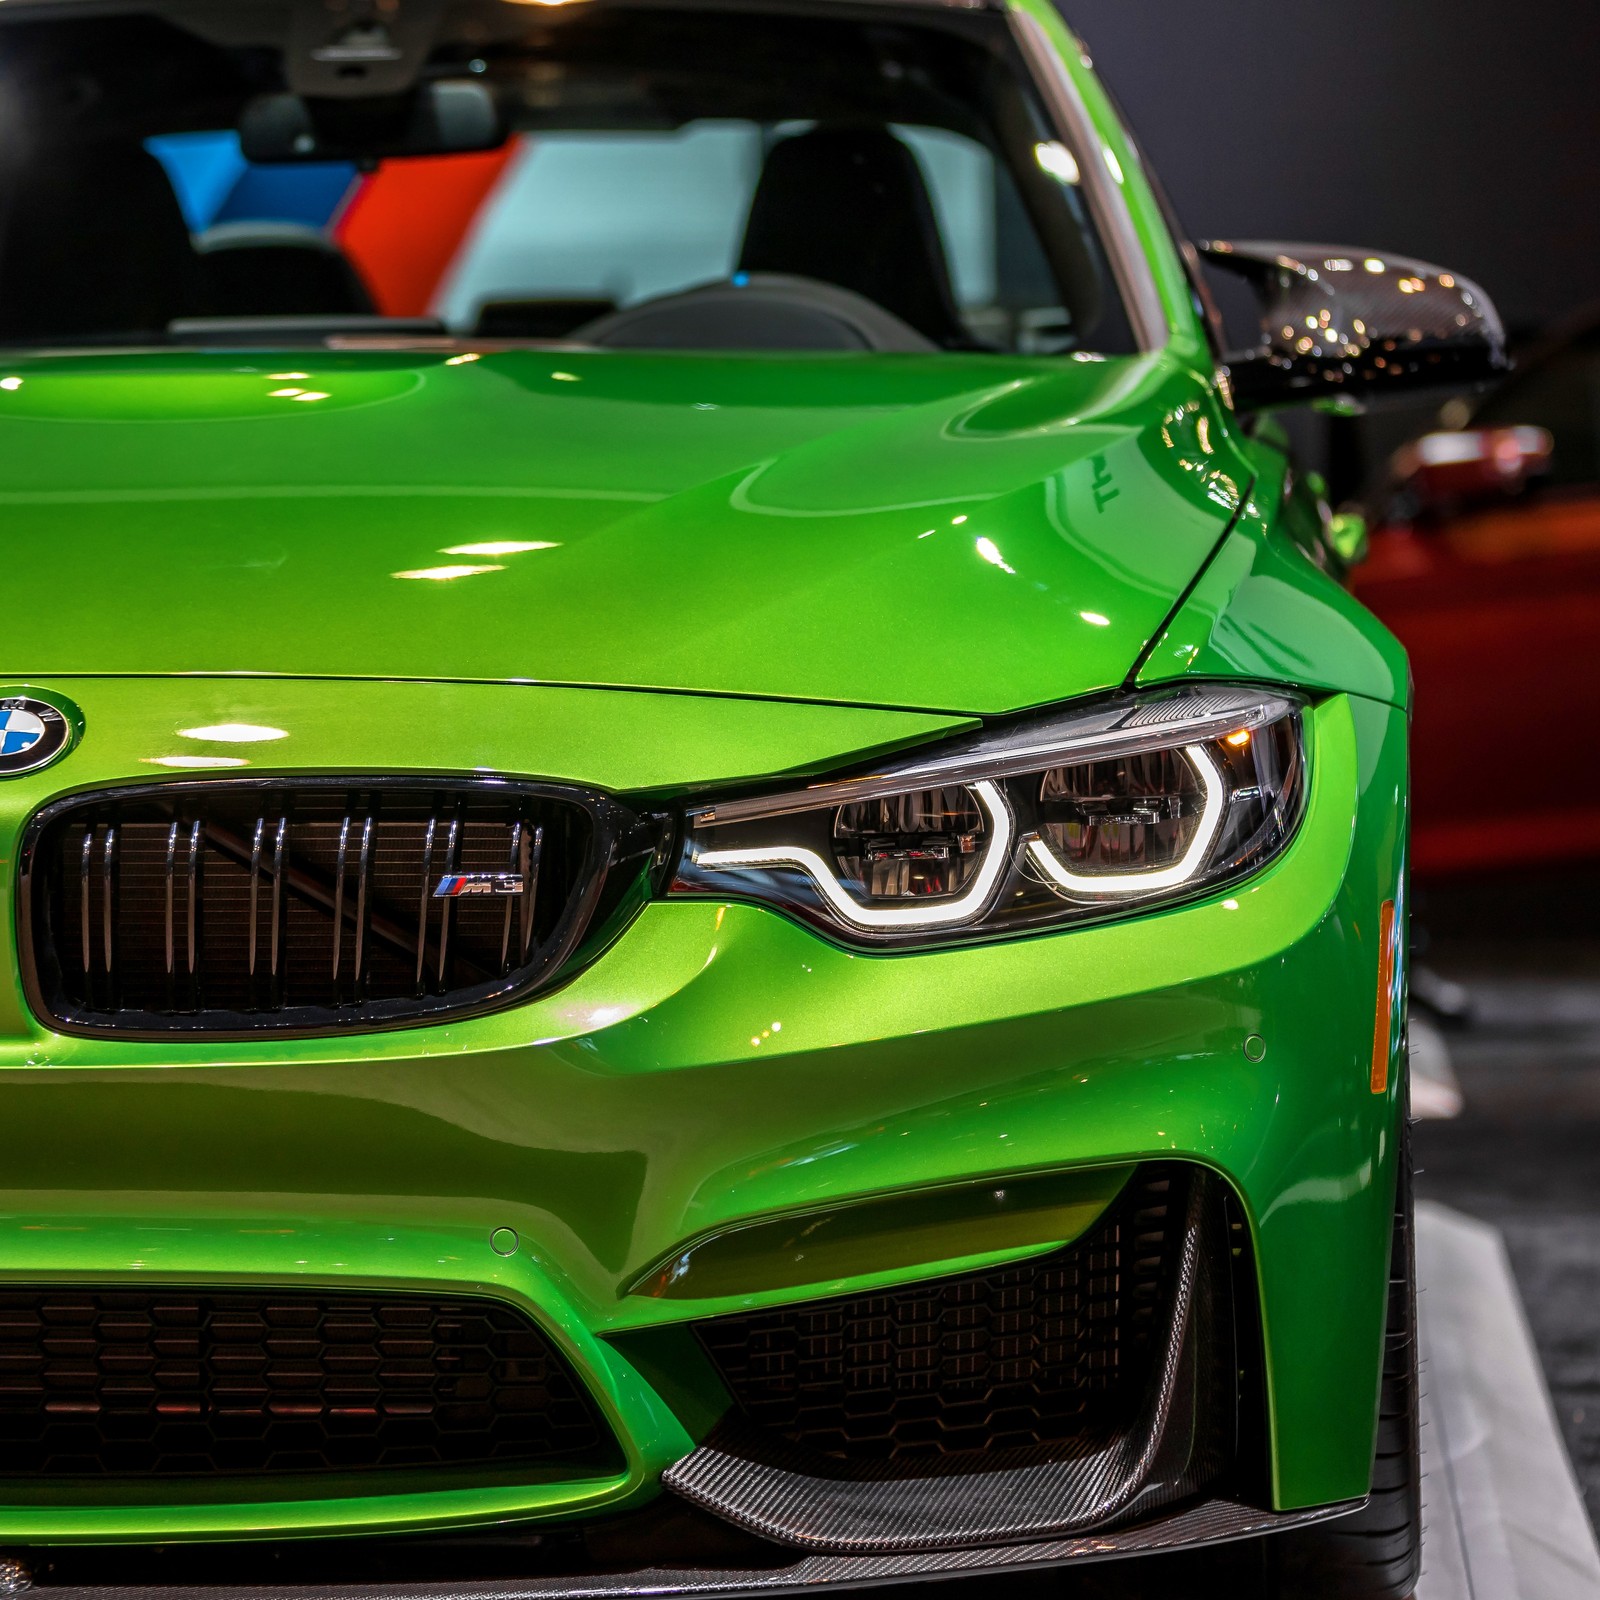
<point x="280" y="269"/>
<point x="93" y="242"/>
<point x="849" y="206"/>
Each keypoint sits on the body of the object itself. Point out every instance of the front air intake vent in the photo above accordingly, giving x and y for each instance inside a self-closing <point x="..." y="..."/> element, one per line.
<point x="1011" y="1358"/>
<point x="312" y="907"/>
<point x="134" y="1384"/>
<point x="1067" y="1393"/>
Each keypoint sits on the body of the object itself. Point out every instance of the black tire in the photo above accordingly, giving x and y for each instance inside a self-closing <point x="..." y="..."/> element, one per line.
<point x="1375" y="1553"/>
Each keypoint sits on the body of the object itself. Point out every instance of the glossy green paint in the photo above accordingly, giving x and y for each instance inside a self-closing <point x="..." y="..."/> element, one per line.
<point x="696" y="529"/>
<point x="733" y="525"/>
<point x="1267" y="607"/>
<point x="1263" y="610"/>
<point x="139" y="729"/>
<point x="651" y="1101"/>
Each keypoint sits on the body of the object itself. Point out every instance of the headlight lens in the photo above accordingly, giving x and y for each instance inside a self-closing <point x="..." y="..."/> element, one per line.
<point x="1070" y="818"/>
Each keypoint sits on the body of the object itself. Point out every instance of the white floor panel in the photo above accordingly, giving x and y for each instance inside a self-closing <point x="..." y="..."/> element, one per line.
<point x="1505" y="1520"/>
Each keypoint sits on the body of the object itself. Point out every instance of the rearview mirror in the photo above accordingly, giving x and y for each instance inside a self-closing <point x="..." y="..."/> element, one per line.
<point x="1351" y="325"/>
<point x="448" y="117"/>
<point x="1443" y="473"/>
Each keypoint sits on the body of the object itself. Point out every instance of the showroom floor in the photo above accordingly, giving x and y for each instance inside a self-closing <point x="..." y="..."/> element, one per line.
<point x="1525" y="1152"/>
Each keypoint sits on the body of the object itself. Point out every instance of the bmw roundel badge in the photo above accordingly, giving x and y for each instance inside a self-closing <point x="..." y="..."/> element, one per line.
<point x="32" y="734"/>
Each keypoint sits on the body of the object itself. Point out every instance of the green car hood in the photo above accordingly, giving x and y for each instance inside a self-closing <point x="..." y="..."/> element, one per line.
<point x="965" y="533"/>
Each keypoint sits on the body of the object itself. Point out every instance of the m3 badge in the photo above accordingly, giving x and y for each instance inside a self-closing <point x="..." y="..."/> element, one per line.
<point x="455" y="884"/>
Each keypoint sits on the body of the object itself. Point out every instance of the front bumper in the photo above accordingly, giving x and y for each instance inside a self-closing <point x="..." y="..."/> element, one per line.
<point x="544" y="1575"/>
<point x="720" y="1065"/>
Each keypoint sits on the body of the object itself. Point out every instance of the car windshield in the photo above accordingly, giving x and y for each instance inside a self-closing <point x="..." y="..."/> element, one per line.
<point x="843" y="177"/>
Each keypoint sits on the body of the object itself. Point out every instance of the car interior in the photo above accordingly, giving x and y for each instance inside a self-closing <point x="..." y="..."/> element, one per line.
<point x="829" y="207"/>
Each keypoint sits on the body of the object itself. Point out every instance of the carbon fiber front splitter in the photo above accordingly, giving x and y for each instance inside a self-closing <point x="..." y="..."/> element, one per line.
<point x="1163" y="1454"/>
<point x="1210" y="1523"/>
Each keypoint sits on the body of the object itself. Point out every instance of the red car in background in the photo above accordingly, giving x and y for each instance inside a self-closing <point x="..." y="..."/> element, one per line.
<point x="1487" y="566"/>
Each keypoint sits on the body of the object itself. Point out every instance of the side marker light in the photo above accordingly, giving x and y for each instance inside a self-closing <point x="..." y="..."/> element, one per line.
<point x="1385" y="1011"/>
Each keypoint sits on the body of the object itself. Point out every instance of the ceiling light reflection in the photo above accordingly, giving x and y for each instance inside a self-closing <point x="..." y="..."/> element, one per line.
<point x="196" y="762"/>
<point x="990" y="552"/>
<point x="1058" y="161"/>
<point x="499" y="547"/>
<point x="234" y="733"/>
<point x="444" y="574"/>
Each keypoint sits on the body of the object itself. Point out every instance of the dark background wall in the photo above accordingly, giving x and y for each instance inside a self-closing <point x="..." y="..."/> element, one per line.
<point x="1464" y="132"/>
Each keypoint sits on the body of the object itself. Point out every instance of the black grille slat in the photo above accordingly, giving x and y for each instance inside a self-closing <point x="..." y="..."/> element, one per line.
<point x="513" y="864"/>
<point x="304" y="906"/>
<point x="280" y="866"/>
<point x="1031" y="1354"/>
<point x="192" y="915"/>
<point x="337" y="926"/>
<point x="363" y="880"/>
<point x="171" y="907"/>
<point x="427" y="902"/>
<point x="530" y="877"/>
<point x="446" y="907"/>
<point x="255" y="895"/>
<point x="134" y="1384"/>
<point x="85" y="868"/>
<point x="108" y="910"/>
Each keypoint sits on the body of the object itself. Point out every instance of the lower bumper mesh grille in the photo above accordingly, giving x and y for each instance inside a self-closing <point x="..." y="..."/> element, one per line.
<point x="111" y="1384"/>
<point x="1074" y="1392"/>
<point x="1027" y="1355"/>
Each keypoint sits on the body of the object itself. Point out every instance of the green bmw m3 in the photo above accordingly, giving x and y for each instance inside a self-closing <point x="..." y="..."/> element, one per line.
<point x="708" y="876"/>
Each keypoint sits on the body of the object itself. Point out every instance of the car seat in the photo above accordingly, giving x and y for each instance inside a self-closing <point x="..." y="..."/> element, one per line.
<point x="93" y="243"/>
<point x="848" y="206"/>
<point x="280" y="269"/>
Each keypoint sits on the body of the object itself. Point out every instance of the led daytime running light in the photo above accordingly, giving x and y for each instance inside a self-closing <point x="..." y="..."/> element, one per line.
<point x="1158" y="877"/>
<point x="995" y="861"/>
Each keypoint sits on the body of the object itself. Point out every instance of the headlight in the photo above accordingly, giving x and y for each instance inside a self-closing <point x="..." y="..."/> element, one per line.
<point x="1074" y="817"/>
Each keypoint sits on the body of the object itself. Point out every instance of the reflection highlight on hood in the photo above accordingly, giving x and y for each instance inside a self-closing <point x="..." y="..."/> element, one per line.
<point x="500" y="547"/>
<point x="477" y="547"/>
<point x="234" y="733"/>
<point x="990" y="552"/>
<point x="716" y="552"/>
<point x="196" y="763"/>
<point x="445" y="574"/>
